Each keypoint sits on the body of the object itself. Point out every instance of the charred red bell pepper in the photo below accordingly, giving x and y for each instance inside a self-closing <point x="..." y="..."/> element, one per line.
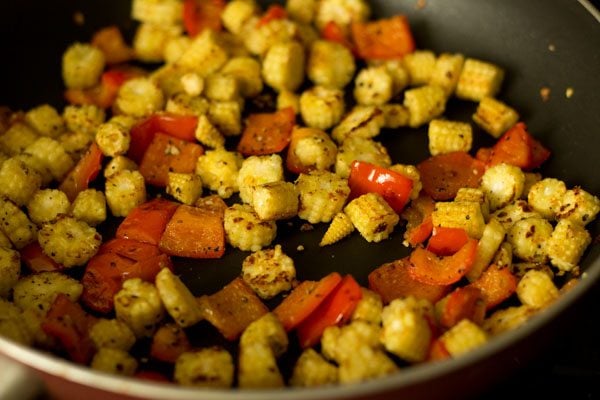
<point x="427" y="267"/>
<point x="336" y="309"/>
<point x="334" y="33"/>
<point x="496" y="284"/>
<point x="394" y="187"/>
<point x="275" y="11"/>
<point x="464" y="302"/>
<point x="147" y="222"/>
<point x="383" y="39"/>
<point x="104" y="94"/>
<point x="36" y="260"/>
<point x="169" y="342"/>
<point x="177" y="126"/>
<point x="517" y="147"/>
<point x="86" y="170"/>
<point x="69" y="324"/>
<point x="447" y="241"/>
<point x="267" y="133"/>
<point x="199" y="15"/>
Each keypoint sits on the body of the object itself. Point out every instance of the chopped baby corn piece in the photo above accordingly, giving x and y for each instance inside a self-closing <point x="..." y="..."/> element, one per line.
<point x="411" y="172"/>
<point x="193" y="84"/>
<point x="528" y="237"/>
<point x="322" y="195"/>
<point x="221" y="87"/>
<point x="275" y="200"/>
<point x="38" y="291"/>
<point x="113" y="137"/>
<point x="311" y="370"/>
<point x="18" y="181"/>
<point x="226" y="116"/>
<point x="494" y="116"/>
<point x="16" y="138"/>
<point x="491" y="238"/>
<point x="68" y="241"/>
<point x="287" y="99"/>
<point x="46" y="120"/>
<point x="513" y="213"/>
<point x="394" y="115"/>
<point x="245" y="230"/>
<point x="119" y="163"/>
<point x="479" y="79"/>
<point x="247" y="71"/>
<point x="207" y="134"/>
<point x="138" y="305"/>
<point x="186" y="188"/>
<point x="459" y="214"/>
<point x="283" y="66"/>
<point x="342" y="12"/>
<point x="372" y="216"/>
<point x="174" y="48"/>
<point x="373" y="86"/>
<point x="546" y="197"/>
<point x="50" y="154"/>
<point x="10" y="270"/>
<point x="75" y="143"/>
<point x="165" y="12"/>
<point x="45" y="205"/>
<point x="113" y="334"/>
<point x="362" y="121"/>
<point x="519" y="269"/>
<point x="5" y="241"/>
<point x="507" y="319"/>
<point x="322" y="107"/>
<point x="124" y="191"/>
<point x="566" y="245"/>
<point x="463" y="337"/>
<point x="83" y="118"/>
<point x="184" y="104"/>
<point x="90" y="207"/>
<point x="502" y="184"/>
<point x="536" y="289"/>
<point x="398" y="73"/>
<point x="139" y="97"/>
<point x="449" y="136"/>
<point x="37" y="165"/>
<point x="236" y="13"/>
<point x="420" y="65"/>
<point x="207" y="367"/>
<point x="269" y="272"/>
<point x="578" y="206"/>
<point x="258" y="170"/>
<point x="150" y="40"/>
<point x="179" y="302"/>
<point x="362" y="149"/>
<point x="340" y="227"/>
<point x="424" y="104"/>
<point x="312" y="148"/>
<point x="114" y="361"/>
<point x="16" y="225"/>
<point x="476" y="195"/>
<point x="406" y="332"/>
<point x="503" y="257"/>
<point x="12" y="325"/>
<point x="218" y="170"/>
<point x="446" y="71"/>
<point x="205" y="55"/>
<point x="330" y="64"/>
<point x="82" y="65"/>
<point x="368" y="308"/>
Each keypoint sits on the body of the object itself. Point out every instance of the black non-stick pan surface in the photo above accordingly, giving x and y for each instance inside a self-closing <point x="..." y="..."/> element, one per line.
<point x="540" y="43"/>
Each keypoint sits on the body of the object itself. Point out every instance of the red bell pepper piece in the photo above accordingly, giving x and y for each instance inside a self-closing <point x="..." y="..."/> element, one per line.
<point x="69" y="324"/>
<point x="267" y="133"/>
<point x="36" y="260"/>
<point x="334" y="33"/>
<point x="438" y="351"/>
<point x="420" y="233"/>
<point x="464" y="302"/>
<point x="496" y="284"/>
<point x="383" y="39"/>
<point x="275" y="11"/>
<point x="426" y="267"/>
<point x="104" y="94"/>
<point x="147" y="222"/>
<point x="394" y="187"/>
<point x="86" y="170"/>
<point x="304" y="299"/>
<point x="447" y="241"/>
<point x="178" y="126"/>
<point x="444" y="174"/>
<point x="336" y="309"/>
<point x="168" y="343"/>
<point x="517" y="147"/>
<point x="131" y="249"/>
<point x="199" y="15"/>
<point x="393" y="280"/>
<point x="419" y="224"/>
<point x="111" y="42"/>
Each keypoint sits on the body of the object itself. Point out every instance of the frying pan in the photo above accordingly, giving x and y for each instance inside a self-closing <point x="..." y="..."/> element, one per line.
<point x="539" y="43"/>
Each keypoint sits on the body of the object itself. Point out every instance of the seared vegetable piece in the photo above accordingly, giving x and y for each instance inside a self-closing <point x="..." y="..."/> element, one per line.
<point x="361" y="121"/>
<point x="147" y="222"/>
<point x="10" y="270"/>
<point x="567" y="244"/>
<point x="40" y="290"/>
<point x="322" y="107"/>
<point x="267" y="133"/>
<point x="68" y="241"/>
<point x="90" y="207"/>
<point x="340" y="227"/>
<point x="383" y="39"/>
<point x="579" y="206"/>
<point x="138" y="304"/>
<point x="82" y="65"/>
<point x="269" y="272"/>
<point x="186" y="188"/>
<point x="179" y="302"/>
<point x="322" y="195"/>
<point x="16" y="225"/>
<point x="449" y="136"/>
<point x="491" y="238"/>
<point x="424" y="104"/>
<point x="84" y="172"/>
<point x="427" y="268"/>
<point x="245" y="230"/>
<point x="258" y="170"/>
<point x="494" y="116"/>
<point x="113" y="334"/>
<point x="497" y="283"/>
<point x="232" y="308"/>
<point x="283" y="66"/>
<point x="479" y="79"/>
<point x="261" y="343"/>
<point x="125" y="190"/>
<point x="219" y="170"/>
<point x="114" y="361"/>
<point x="330" y="64"/>
<point x="466" y="215"/>
<point x="208" y="367"/>
<point x="446" y="71"/>
<point x="18" y="182"/>
<point x="546" y="196"/>
<point x="169" y="342"/>
<point x="275" y="200"/>
<point x="356" y="148"/>
<point x="311" y="369"/>
<point x="463" y="337"/>
<point x="12" y="324"/>
<point x="372" y="216"/>
<point x="45" y="205"/>
<point x="517" y="147"/>
<point x="502" y="184"/>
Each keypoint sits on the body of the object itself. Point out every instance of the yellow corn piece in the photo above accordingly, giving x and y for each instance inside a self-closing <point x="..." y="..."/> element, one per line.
<point x="340" y="227"/>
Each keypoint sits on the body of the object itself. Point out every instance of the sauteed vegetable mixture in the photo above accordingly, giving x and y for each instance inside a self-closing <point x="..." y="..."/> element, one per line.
<point x="221" y="120"/>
